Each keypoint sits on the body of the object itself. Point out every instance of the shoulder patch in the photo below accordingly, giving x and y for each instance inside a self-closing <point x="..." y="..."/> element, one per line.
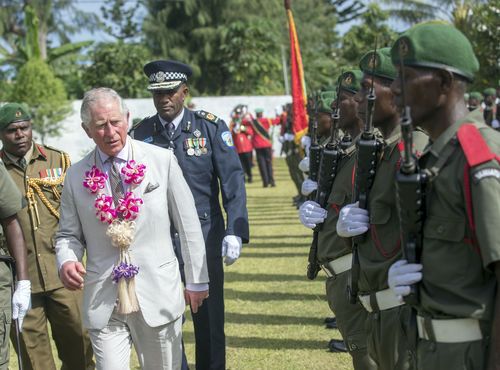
<point x="207" y="115"/>
<point x="44" y="146"/>
<point x="227" y="138"/>
<point x="475" y="148"/>
<point x="486" y="172"/>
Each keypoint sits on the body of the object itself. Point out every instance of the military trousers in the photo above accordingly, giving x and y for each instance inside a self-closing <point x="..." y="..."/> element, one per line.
<point x="246" y="163"/>
<point x="462" y="356"/>
<point x="388" y="344"/>
<point x="5" y="314"/>
<point x="265" y="162"/>
<point x="292" y="160"/>
<point x="60" y="307"/>
<point x="351" y="320"/>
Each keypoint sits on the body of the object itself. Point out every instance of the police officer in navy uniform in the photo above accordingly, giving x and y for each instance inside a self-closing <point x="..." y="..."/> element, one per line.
<point x="204" y="148"/>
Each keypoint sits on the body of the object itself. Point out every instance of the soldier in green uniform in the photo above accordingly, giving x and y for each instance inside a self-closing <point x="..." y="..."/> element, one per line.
<point x="38" y="172"/>
<point x="334" y="254"/>
<point x="458" y="313"/>
<point x="379" y="223"/>
<point x="475" y="99"/>
<point x="11" y="202"/>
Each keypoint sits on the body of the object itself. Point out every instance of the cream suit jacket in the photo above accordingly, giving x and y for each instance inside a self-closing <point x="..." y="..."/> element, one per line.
<point x="158" y="283"/>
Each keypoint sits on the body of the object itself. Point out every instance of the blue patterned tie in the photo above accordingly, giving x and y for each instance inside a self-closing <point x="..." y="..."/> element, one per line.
<point x="115" y="181"/>
<point x="170" y="129"/>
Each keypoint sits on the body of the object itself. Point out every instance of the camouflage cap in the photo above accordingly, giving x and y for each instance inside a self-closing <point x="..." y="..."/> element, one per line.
<point x="475" y="95"/>
<point x="325" y="100"/>
<point x="378" y="63"/>
<point x="437" y="45"/>
<point x="350" y="80"/>
<point x="13" y="112"/>
<point x="490" y="92"/>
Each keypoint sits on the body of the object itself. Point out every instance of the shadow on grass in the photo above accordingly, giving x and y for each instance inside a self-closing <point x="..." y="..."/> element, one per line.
<point x="270" y="296"/>
<point x="263" y="244"/>
<point x="281" y="236"/>
<point x="238" y="276"/>
<point x="270" y="343"/>
<point x="256" y="319"/>
<point x="274" y="255"/>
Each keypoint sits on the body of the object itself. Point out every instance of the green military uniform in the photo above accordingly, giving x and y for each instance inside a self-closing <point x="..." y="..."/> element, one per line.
<point x="381" y="245"/>
<point x="10" y="203"/>
<point x="335" y="257"/>
<point x="41" y="184"/>
<point x="458" y="287"/>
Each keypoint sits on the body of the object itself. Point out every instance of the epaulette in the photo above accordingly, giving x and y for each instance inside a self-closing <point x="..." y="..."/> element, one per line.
<point x="45" y="146"/>
<point x="207" y="115"/>
<point x="475" y="148"/>
<point x="137" y="124"/>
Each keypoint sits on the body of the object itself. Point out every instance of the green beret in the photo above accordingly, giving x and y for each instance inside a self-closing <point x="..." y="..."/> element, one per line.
<point x="350" y="80"/>
<point x="259" y="110"/>
<point x="379" y="64"/>
<point x="325" y="100"/>
<point x="436" y="45"/>
<point x="490" y="92"/>
<point x="475" y="95"/>
<point x="13" y="112"/>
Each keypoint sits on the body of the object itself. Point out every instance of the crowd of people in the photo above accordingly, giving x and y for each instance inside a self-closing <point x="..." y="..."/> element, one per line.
<point x="398" y="176"/>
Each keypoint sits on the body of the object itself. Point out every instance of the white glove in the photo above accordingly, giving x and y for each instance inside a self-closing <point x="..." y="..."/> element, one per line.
<point x="308" y="186"/>
<point x="304" y="164"/>
<point x="305" y="141"/>
<point x="21" y="301"/>
<point x="289" y="137"/>
<point x="231" y="249"/>
<point x="352" y="221"/>
<point x="311" y="214"/>
<point x="495" y="123"/>
<point x="403" y="274"/>
<point x="281" y="139"/>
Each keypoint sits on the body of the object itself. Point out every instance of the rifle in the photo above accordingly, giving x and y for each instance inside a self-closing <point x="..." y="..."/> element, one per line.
<point x="368" y="150"/>
<point x="410" y="185"/>
<point x="315" y="149"/>
<point x="330" y="158"/>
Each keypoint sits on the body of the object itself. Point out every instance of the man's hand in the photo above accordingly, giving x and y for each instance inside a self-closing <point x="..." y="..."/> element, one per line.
<point x="403" y="274"/>
<point x="71" y="274"/>
<point x="352" y="221"/>
<point x="308" y="186"/>
<point x="195" y="299"/>
<point x="231" y="249"/>
<point x="311" y="214"/>
<point x="21" y="301"/>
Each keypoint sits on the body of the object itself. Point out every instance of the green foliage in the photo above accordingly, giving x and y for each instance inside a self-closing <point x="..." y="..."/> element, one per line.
<point x="122" y="16"/>
<point x="37" y="86"/>
<point x="118" y="66"/>
<point x="361" y="38"/>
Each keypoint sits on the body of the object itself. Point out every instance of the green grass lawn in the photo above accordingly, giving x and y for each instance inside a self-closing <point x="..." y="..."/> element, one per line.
<point x="274" y="315"/>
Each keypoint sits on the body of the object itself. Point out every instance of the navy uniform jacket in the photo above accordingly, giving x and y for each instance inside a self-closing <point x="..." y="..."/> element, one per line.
<point x="219" y="167"/>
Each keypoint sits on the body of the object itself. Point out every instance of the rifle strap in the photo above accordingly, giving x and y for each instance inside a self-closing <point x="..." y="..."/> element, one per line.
<point x="447" y="152"/>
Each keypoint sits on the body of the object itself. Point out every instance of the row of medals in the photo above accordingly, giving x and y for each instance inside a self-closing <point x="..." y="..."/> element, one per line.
<point x="195" y="146"/>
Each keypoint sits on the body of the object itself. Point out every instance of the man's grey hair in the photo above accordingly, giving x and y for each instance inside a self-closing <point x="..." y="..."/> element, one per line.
<point x="95" y="95"/>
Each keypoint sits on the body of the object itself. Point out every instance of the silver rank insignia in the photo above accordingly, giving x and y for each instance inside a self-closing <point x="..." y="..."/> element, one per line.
<point x="197" y="133"/>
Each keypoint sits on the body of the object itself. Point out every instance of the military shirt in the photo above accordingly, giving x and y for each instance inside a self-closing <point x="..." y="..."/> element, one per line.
<point x="381" y="246"/>
<point x="330" y="245"/>
<point x="11" y="200"/>
<point x="457" y="276"/>
<point x="39" y="224"/>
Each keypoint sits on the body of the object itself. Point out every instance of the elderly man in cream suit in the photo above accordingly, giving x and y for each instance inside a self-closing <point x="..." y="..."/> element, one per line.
<point x="154" y="325"/>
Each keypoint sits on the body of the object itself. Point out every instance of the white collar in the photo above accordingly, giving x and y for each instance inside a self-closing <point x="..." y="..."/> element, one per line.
<point x="177" y="120"/>
<point x="122" y="155"/>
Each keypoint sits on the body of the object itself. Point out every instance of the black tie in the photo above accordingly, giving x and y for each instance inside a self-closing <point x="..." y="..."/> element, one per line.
<point x="22" y="163"/>
<point x="115" y="181"/>
<point x="170" y="129"/>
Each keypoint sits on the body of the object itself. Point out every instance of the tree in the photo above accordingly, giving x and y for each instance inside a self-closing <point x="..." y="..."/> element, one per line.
<point x="122" y="16"/>
<point x="118" y="66"/>
<point x="37" y="86"/>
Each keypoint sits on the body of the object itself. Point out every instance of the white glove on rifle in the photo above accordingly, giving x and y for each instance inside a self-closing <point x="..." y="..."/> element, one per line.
<point x="289" y="137"/>
<point x="231" y="249"/>
<point x="308" y="186"/>
<point x="21" y="301"/>
<point x="352" y="221"/>
<point x="311" y="214"/>
<point x="304" y="164"/>
<point x="403" y="274"/>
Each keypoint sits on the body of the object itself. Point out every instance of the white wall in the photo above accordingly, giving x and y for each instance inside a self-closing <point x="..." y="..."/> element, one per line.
<point x="75" y="142"/>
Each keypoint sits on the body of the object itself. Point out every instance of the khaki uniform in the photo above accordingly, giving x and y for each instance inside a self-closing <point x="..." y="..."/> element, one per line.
<point x="350" y="318"/>
<point x="40" y="183"/>
<point x="381" y="247"/>
<point x="457" y="280"/>
<point x="10" y="203"/>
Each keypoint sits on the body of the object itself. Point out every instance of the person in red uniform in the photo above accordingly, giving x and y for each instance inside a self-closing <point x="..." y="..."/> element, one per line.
<point x="263" y="145"/>
<point x="242" y="132"/>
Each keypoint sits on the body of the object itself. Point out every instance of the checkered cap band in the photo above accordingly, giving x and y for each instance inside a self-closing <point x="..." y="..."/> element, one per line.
<point x="161" y="76"/>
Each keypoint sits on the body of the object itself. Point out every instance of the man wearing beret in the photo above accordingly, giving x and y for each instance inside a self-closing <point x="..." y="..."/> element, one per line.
<point x="458" y="311"/>
<point x="38" y="172"/>
<point x="11" y="202"/>
<point x="378" y="224"/>
<point x="490" y="107"/>
<point x="475" y="99"/>
<point x="333" y="254"/>
<point x="204" y="148"/>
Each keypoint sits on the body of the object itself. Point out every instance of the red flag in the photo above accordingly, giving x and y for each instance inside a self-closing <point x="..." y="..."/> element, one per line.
<point x="299" y="97"/>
